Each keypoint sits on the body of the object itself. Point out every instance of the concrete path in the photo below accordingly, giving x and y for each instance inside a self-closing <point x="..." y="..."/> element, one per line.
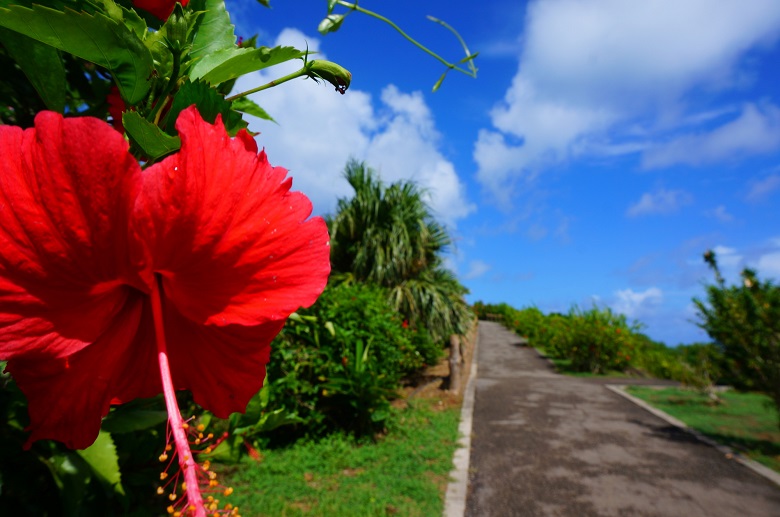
<point x="551" y="445"/>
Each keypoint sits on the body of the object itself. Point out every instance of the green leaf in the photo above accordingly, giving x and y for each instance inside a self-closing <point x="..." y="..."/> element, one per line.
<point x="41" y="64"/>
<point x="265" y="3"/>
<point x="469" y="58"/>
<point x="232" y="63"/>
<point x="163" y="59"/>
<point x="149" y="138"/>
<point x="250" y="107"/>
<point x="265" y="394"/>
<point x="133" y="21"/>
<point x="95" y="38"/>
<point x="228" y="451"/>
<point x="102" y="459"/>
<point x="268" y="422"/>
<point x="209" y="103"/>
<point x="72" y="475"/>
<point x="130" y="421"/>
<point x="213" y="30"/>
<point x="441" y="80"/>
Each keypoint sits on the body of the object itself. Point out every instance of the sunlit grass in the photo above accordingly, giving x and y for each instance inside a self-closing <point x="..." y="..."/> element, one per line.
<point x="403" y="473"/>
<point x="747" y="422"/>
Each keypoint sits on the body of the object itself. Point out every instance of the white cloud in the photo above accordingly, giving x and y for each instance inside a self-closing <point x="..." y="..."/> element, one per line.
<point x="659" y="202"/>
<point x="763" y="188"/>
<point x="477" y="268"/>
<point x="755" y="131"/>
<point x="720" y="213"/>
<point x="536" y="232"/>
<point x="635" y="304"/>
<point x="319" y="130"/>
<point x="769" y="265"/>
<point x="598" y="75"/>
<point x="405" y="148"/>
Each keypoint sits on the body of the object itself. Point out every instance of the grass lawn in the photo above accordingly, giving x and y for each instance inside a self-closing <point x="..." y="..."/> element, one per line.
<point x="744" y="421"/>
<point x="403" y="473"/>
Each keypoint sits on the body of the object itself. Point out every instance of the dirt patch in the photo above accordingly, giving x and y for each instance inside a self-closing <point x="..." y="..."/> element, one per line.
<point x="433" y="382"/>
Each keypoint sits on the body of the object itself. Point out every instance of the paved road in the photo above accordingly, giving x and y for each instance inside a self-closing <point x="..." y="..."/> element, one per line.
<point x="550" y="445"/>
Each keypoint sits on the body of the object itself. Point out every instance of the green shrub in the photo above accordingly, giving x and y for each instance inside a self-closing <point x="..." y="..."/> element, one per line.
<point x="527" y="322"/>
<point x="744" y="322"/>
<point x="335" y="366"/>
<point x="703" y="366"/>
<point x="553" y="336"/>
<point x="600" y="340"/>
<point x="424" y="351"/>
<point x="479" y="310"/>
<point x="657" y="360"/>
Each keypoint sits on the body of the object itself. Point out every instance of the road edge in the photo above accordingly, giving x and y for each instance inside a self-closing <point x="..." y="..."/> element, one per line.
<point x="728" y="452"/>
<point x="457" y="489"/>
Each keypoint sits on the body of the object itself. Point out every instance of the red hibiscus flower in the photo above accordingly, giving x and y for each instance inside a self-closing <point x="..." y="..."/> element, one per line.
<point x="115" y="281"/>
<point x="162" y="9"/>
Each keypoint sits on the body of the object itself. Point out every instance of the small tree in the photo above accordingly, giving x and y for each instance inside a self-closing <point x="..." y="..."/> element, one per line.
<point x="744" y="322"/>
<point x="386" y="235"/>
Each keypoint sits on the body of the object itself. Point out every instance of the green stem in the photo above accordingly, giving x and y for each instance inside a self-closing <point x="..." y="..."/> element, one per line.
<point x="168" y="87"/>
<point x="276" y="82"/>
<point x="356" y="7"/>
<point x="450" y="28"/>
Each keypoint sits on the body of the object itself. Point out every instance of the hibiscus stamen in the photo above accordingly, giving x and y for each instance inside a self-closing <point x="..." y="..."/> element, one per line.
<point x="176" y="422"/>
<point x="198" y="479"/>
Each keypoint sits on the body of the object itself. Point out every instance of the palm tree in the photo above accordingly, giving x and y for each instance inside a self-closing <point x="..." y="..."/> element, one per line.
<point x="387" y="236"/>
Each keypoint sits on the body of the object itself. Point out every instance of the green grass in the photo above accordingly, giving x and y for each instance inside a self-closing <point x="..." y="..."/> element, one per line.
<point x="403" y="473"/>
<point x="747" y="422"/>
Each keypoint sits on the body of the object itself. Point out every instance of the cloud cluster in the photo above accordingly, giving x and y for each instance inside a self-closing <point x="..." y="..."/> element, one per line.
<point x="755" y="131"/>
<point x="610" y="76"/>
<point x="319" y="130"/>
<point x="637" y="304"/>
<point x="720" y="213"/>
<point x="761" y="189"/>
<point x="477" y="268"/>
<point x="661" y="201"/>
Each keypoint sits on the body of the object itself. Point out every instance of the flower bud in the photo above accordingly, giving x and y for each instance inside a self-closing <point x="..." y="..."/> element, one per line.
<point x="331" y="23"/>
<point x="176" y="28"/>
<point x="329" y="71"/>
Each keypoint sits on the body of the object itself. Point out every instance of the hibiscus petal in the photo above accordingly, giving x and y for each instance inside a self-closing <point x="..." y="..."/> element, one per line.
<point x="223" y="366"/>
<point x="68" y="397"/>
<point x="222" y="228"/>
<point x="162" y="9"/>
<point x="66" y="192"/>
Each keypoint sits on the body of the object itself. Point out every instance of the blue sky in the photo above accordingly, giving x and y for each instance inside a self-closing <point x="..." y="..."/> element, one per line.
<point x="603" y="148"/>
